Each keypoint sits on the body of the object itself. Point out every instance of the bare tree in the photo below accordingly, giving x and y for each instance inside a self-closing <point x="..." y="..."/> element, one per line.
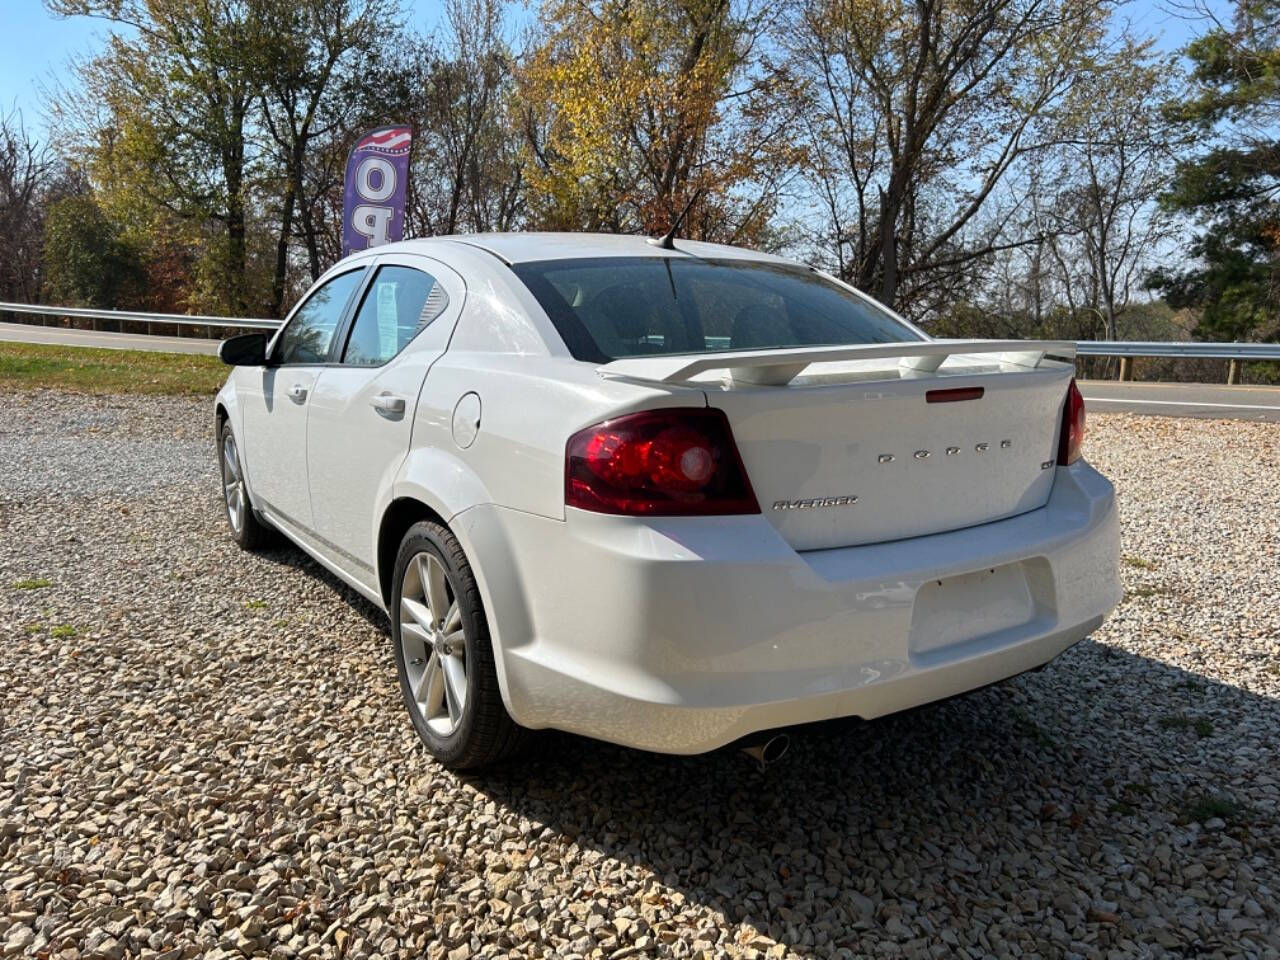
<point x="1104" y="225"/>
<point x="26" y="170"/>
<point x="1090" y="214"/>
<point x="920" y="110"/>
<point x="472" y="161"/>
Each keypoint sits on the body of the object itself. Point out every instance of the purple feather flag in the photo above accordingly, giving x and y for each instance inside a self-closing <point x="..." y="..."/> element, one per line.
<point x="374" y="199"/>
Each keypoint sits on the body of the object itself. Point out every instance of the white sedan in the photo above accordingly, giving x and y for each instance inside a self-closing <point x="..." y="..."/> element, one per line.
<point x="672" y="498"/>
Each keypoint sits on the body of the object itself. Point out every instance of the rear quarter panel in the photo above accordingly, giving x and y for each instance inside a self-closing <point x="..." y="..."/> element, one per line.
<point x="531" y="396"/>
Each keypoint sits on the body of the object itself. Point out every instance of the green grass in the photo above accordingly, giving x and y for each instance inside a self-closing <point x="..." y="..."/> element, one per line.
<point x="1131" y="795"/>
<point x="1139" y="562"/>
<point x="1143" y="592"/>
<point x="255" y="604"/>
<point x="1027" y="727"/>
<point x="90" y="370"/>
<point x="32" y="583"/>
<point x="1207" y="807"/>
<point x="62" y="631"/>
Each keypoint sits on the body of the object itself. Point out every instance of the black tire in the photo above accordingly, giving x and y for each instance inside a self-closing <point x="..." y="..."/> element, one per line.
<point x="484" y="733"/>
<point x="253" y="534"/>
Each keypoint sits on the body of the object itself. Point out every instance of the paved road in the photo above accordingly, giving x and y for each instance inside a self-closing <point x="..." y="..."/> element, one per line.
<point x="27" y="333"/>
<point x="1203" y="400"/>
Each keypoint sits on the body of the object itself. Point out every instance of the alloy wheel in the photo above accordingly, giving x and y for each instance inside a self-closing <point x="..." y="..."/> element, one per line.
<point x="233" y="483"/>
<point x="433" y="643"/>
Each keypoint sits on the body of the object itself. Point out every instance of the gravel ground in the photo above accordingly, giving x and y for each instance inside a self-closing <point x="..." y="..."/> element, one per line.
<point x="204" y="753"/>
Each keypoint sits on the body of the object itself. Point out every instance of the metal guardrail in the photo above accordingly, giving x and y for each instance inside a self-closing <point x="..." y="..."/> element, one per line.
<point x="1126" y="350"/>
<point x="181" y="319"/>
<point x="1191" y="349"/>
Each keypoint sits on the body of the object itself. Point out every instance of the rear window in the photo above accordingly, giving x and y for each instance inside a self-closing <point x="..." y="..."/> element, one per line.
<point x="611" y="307"/>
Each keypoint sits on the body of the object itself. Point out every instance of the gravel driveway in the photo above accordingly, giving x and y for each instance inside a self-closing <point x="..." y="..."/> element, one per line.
<point x="204" y="753"/>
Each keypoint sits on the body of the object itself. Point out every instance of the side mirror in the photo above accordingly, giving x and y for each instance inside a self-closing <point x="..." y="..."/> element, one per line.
<point x="246" y="350"/>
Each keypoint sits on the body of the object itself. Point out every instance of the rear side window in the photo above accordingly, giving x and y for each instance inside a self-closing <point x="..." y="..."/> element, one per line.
<point x="614" y="307"/>
<point x="309" y="334"/>
<point x="399" y="303"/>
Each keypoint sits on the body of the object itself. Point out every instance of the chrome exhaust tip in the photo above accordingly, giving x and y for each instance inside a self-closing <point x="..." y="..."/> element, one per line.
<point x="769" y="751"/>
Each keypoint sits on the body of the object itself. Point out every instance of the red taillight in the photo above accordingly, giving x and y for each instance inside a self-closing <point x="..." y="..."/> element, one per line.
<point x="1072" y="427"/>
<point x="659" y="463"/>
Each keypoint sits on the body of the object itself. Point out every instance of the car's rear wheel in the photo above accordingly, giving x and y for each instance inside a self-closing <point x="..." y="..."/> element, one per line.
<point x="246" y="529"/>
<point x="444" y="655"/>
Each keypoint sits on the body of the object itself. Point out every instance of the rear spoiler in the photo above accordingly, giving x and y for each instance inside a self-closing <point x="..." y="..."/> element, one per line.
<point x="779" y="367"/>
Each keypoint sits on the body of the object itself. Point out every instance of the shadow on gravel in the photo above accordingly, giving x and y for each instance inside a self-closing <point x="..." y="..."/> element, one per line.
<point x="288" y="555"/>
<point x="1061" y="806"/>
<point x="1032" y="803"/>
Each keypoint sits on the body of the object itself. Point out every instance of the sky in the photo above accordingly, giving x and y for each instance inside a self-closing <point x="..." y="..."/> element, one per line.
<point x="36" y="47"/>
<point x="34" y="50"/>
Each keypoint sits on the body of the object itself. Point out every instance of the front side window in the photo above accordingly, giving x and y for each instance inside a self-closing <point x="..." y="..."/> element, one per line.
<point x="610" y="307"/>
<point x="399" y="303"/>
<point x="309" y="334"/>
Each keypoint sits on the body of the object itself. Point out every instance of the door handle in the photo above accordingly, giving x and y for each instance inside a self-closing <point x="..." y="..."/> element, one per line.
<point x="298" y="393"/>
<point x="387" y="404"/>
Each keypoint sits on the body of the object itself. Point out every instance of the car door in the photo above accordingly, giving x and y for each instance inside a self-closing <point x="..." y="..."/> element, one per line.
<point x="275" y="400"/>
<point x="362" y="408"/>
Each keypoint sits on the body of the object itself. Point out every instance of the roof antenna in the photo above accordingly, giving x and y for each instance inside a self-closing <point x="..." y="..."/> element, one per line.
<point x="668" y="240"/>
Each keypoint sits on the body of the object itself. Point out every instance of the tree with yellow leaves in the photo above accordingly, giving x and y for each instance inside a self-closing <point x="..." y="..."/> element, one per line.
<point x="634" y="109"/>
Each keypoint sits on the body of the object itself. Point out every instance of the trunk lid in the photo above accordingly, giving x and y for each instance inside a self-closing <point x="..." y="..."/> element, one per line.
<point x="854" y="445"/>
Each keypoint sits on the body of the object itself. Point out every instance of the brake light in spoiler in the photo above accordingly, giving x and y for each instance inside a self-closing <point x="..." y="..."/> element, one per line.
<point x="955" y="395"/>
<point x="779" y="367"/>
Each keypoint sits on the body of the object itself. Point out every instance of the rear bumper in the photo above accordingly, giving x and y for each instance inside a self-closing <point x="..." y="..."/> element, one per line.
<point x="681" y="635"/>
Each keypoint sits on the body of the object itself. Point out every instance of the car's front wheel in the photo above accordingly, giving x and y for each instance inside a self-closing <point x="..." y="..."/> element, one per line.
<point x="443" y="653"/>
<point x="247" y="530"/>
